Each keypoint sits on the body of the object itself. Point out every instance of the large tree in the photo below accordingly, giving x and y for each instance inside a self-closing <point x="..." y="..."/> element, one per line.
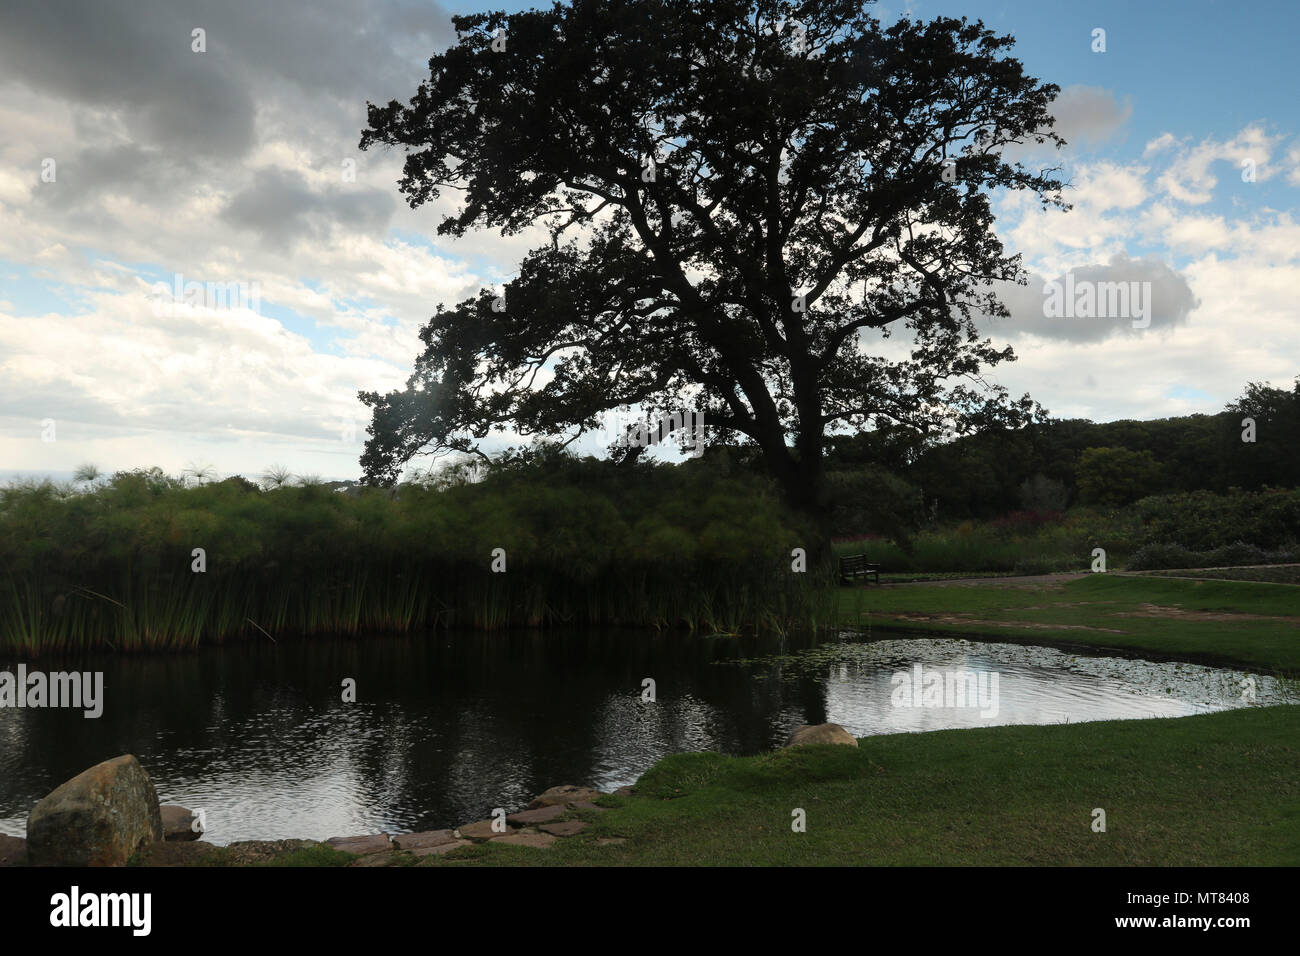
<point x="744" y="199"/>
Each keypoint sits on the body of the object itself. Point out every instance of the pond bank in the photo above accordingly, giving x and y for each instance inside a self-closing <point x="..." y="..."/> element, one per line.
<point x="1223" y="623"/>
<point x="1219" y="789"/>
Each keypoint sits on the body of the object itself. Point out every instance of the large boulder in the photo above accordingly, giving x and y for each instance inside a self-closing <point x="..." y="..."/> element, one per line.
<point x="98" y="818"/>
<point x="821" y="734"/>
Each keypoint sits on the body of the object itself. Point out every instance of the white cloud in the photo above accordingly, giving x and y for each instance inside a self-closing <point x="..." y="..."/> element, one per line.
<point x="1191" y="178"/>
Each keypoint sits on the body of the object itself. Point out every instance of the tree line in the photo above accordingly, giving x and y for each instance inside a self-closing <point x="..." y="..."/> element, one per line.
<point x="1053" y="464"/>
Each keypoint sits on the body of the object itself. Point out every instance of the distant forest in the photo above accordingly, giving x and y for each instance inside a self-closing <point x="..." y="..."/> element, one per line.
<point x="1055" y="464"/>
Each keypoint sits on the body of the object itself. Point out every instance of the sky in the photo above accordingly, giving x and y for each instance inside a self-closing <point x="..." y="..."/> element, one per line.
<point x="127" y="159"/>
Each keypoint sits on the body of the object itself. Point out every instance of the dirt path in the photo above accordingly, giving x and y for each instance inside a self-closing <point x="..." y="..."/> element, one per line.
<point x="1024" y="582"/>
<point x="1156" y="610"/>
<point x="969" y="621"/>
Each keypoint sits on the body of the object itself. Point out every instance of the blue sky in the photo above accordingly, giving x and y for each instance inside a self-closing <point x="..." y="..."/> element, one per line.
<point x="225" y="168"/>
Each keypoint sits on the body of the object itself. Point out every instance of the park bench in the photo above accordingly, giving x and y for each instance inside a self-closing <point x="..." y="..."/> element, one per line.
<point x="857" y="566"/>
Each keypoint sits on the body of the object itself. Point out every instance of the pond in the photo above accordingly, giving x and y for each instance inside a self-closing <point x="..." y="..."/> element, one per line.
<point x="447" y="727"/>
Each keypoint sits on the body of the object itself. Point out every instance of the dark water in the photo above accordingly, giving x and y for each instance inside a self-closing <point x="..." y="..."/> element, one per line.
<point x="448" y="727"/>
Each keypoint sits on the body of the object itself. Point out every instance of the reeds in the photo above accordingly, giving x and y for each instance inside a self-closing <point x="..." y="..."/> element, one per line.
<point x="586" y="544"/>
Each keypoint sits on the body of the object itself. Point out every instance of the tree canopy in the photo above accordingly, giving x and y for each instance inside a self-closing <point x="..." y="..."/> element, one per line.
<point x="744" y="201"/>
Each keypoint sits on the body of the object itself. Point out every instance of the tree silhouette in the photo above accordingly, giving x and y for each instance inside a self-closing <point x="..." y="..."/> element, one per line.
<point x="745" y="200"/>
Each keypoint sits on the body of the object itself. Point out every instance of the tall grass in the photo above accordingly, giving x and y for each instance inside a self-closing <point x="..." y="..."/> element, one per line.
<point x="1232" y="529"/>
<point x="1022" y="543"/>
<point x="585" y="543"/>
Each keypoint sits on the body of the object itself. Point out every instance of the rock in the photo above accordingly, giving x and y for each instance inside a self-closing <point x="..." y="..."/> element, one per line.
<point x="587" y="805"/>
<point x="13" y="851"/>
<point x="441" y="848"/>
<point x="482" y="830"/>
<point x="526" y="838"/>
<point x="260" y="851"/>
<point x="362" y="845"/>
<point x="540" y="815"/>
<point x="178" y="823"/>
<point x="98" y="818"/>
<point x="623" y="792"/>
<point x="563" y="795"/>
<point x="821" y="734"/>
<point x="567" y="828"/>
<point x="424" y="841"/>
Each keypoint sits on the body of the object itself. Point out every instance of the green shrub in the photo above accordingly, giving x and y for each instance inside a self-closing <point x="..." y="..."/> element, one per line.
<point x="1152" y="557"/>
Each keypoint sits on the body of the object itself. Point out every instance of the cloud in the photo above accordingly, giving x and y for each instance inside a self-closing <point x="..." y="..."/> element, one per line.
<point x="134" y="58"/>
<point x="1089" y="115"/>
<point x="1293" y="164"/>
<point x="1190" y="177"/>
<point x="1085" y="117"/>
<point x="1101" y="195"/>
<point x="282" y="209"/>
<point x="1129" y="297"/>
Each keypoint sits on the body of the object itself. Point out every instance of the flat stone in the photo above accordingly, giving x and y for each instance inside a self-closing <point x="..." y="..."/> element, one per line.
<point x="425" y="840"/>
<point x="362" y="845"/>
<point x="13" y="851"/>
<point x="525" y="838"/>
<point x="563" y="795"/>
<point x="623" y="792"/>
<point x="540" y="815"/>
<point x="178" y="823"/>
<point x="482" y="830"/>
<point x="567" y="828"/>
<point x="587" y="805"/>
<point x="441" y="848"/>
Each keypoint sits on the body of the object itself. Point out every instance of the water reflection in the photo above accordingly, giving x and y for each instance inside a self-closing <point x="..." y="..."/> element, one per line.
<point x="447" y="727"/>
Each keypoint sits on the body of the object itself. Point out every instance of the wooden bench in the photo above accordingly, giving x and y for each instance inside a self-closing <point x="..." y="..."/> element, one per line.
<point x="857" y="566"/>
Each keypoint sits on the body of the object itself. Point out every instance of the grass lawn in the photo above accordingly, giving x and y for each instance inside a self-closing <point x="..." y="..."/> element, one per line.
<point x="1246" y="623"/>
<point x="1219" y="789"/>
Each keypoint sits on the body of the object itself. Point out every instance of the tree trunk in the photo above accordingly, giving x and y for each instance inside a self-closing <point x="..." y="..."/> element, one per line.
<point x="803" y="484"/>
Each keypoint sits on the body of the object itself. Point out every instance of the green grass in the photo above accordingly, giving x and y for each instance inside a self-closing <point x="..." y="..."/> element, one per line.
<point x="319" y="855"/>
<point x="1220" y="789"/>
<point x="1097" y="610"/>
